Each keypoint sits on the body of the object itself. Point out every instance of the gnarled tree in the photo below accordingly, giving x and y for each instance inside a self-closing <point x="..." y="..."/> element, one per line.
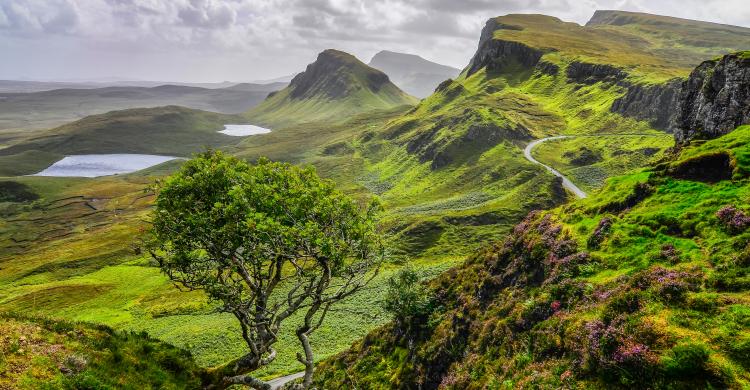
<point x="265" y="241"/>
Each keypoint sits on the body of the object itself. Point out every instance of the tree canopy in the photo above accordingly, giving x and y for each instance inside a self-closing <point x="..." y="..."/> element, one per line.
<point x="264" y="240"/>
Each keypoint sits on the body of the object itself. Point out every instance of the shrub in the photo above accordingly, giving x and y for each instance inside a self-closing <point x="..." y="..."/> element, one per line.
<point x="406" y="298"/>
<point x="686" y="360"/>
<point x="733" y="219"/>
<point x="600" y="233"/>
<point x="669" y="253"/>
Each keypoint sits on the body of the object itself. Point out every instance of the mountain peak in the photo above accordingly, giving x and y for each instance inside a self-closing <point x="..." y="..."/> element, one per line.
<point x="411" y="72"/>
<point x="336" y="74"/>
<point x="336" y="85"/>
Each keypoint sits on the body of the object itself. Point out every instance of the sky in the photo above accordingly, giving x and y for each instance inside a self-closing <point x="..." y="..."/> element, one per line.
<point x="246" y="40"/>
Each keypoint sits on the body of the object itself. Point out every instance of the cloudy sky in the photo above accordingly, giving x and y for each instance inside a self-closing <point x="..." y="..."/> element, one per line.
<point x="243" y="40"/>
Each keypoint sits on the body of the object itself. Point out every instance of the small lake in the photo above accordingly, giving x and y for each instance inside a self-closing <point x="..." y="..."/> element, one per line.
<point x="95" y="165"/>
<point x="244" y="130"/>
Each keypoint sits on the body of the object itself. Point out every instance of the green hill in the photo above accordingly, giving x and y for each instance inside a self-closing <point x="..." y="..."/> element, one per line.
<point x="169" y="130"/>
<point x="334" y="87"/>
<point x="43" y="354"/>
<point x="452" y="176"/>
<point x="643" y="285"/>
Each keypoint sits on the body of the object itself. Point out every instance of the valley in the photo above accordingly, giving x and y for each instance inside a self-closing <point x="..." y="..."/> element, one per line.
<point x="560" y="199"/>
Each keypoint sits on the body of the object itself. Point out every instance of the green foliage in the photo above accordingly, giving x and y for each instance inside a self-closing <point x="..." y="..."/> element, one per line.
<point x="687" y="360"/>
<point x="50" y="354"/>
<point x="660" y="302"/>
<point x="406" y="298"/>
<point x="265" y="241"/>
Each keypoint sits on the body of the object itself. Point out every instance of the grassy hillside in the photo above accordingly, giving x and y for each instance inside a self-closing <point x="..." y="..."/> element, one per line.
<point x="171" y="130"/>
<point x="649" y="47"/>
<point x="643" y="284"/>
<point x="23" y="115"/>
<point x="335" y="86"/>
<point x="43" y="354"/>
<point x="450" y="172"/>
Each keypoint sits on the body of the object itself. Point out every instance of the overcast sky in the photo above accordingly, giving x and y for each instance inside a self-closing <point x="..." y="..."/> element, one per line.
<point x="243" y="40"/>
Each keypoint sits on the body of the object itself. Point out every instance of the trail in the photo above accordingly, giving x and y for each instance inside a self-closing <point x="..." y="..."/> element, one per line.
<point x="282" y="380"/>
<point x="567" y="184"/>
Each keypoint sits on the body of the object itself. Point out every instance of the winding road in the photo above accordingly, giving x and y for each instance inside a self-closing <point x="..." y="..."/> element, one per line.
<point x="567" y="184"/>
<point x="277" y="383"/>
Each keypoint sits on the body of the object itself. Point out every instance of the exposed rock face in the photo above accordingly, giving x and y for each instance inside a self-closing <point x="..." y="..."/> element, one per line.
<point x="586" y="73"/>
<point x="331" y="75"/>
<point x="715" y="99"/>
<point x="496" y="54"/>
<point x="653" y="103"/>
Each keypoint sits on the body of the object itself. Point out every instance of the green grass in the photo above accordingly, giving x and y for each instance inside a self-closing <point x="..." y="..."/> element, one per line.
<point x="651" y="48"/>
<point x="666" y="250"/>
<point x="42" y="354"/>
<point x="590" y="161"/>
<point x="333" y="88"/>
<point x="450" y="173"/>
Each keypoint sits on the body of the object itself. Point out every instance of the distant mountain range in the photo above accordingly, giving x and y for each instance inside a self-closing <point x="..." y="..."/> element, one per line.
<point x="333" y="87"/>
<point x="412" y="73"/>
<point x="21" y="113"/>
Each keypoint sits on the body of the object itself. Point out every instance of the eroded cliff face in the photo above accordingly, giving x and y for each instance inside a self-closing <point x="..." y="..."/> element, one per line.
<point x="495" y="54"/>
<point x="653" y="103"/>
<point x="715" y="99"/>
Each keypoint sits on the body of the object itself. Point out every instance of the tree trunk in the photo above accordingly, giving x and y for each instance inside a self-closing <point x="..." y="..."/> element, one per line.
<point x="308" y="360"/>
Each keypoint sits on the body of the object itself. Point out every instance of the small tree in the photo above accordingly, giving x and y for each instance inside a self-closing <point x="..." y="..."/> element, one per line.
<point x="265" y="241"/>
<point x="406" y="298"/>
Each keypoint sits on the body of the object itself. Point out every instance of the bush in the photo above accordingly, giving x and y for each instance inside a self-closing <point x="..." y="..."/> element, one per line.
<point x="686" y="360"/>
<point x="406" y="298"/>
<point x="733" y="219"/>
<point x="600" y="233"/>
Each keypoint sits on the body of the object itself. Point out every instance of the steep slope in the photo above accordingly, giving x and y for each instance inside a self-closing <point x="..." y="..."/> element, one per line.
<point x="715" y="99"/>
<point x="644" y="284"/>
<point x="45" y="354"/>
<point x="335" y="86"/>
<point x="170" y="130"/>
<point x="412" y="73"/>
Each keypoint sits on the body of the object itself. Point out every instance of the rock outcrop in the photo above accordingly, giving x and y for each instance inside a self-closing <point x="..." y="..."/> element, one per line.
<point x="715" y="99"/>
<point x="586" y="73"/>
<point x="496" y="54"/>
<point x="653" y="103"/>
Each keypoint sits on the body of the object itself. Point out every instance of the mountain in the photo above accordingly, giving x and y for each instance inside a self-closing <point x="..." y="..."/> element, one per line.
<point x="642" y="285"/>
<point x="412" y="73"/>
<point x="336" y="85"/>
<point x="453" y="178"/>
<point x="169" y="130"/>
<point x="25" y="114"/>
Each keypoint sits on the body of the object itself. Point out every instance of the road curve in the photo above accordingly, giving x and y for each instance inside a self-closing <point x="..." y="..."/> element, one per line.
<point x="567" y="184"/>
<point x="277" y="383"/>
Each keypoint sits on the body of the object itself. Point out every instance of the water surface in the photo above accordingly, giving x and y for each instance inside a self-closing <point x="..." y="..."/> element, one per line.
<point x="244" y="130"/>
<point x="95" y="165"/>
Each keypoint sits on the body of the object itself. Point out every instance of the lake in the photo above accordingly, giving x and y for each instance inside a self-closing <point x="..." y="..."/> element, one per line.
<point x="95" y="165"/>
<point x="244" y="130"/>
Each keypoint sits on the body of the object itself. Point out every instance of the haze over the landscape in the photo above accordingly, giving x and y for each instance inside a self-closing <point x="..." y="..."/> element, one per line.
<point x="244" y="40"/>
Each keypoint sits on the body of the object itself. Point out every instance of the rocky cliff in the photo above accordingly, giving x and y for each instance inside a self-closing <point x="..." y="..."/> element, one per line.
<point x="715" y="99"/>
<point x="496" y="54"/>
<point x="653" y="103"/>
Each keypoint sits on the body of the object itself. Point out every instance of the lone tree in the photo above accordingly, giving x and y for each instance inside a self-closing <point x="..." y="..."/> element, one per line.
<point x="265" y="241"/>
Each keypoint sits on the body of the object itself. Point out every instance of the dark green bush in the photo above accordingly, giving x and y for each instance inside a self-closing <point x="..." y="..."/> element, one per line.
<point x="406" y="298"/>
<point x="686" y="360"/>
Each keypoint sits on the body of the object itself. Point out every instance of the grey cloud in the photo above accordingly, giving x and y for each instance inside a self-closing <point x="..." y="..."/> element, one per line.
<point x="254" y="39"/>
